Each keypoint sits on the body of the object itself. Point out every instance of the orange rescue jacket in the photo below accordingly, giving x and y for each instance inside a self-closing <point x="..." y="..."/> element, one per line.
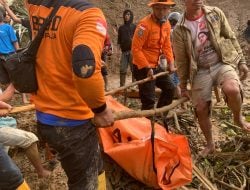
<point x="61" y="92"/>
<point x="148" y="41"/>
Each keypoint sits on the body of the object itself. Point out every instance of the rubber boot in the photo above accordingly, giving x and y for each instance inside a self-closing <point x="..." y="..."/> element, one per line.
<point x="105" y="78"/>
<point x="102" y="181"/>
<point x="23" y="186"/>
<point x="122" y="79"/>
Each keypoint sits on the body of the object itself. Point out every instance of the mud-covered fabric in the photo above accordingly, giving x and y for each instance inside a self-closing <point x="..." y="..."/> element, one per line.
<point x="15" y="137"/>
<point x="126" y="61"/>
<point x="247" y="32"/>
<point x="4" y="77"/>
<point x="77" y="145"/>
<point x="10" y="175"/>
<point x="206" y="79"/>
<point x="147" y="89"/>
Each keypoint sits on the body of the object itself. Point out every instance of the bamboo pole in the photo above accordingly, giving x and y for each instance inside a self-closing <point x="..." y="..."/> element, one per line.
<point x="136" y="83"/>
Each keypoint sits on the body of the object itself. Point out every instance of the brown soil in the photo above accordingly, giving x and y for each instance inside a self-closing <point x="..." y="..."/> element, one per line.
<point x="237" y="12"/>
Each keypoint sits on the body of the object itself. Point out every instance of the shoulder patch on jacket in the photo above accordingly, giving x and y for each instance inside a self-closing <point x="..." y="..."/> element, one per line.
<point x="83" y="61"/>
<point x="142" y="27"/>
<point x="141" y="30"/>
<point x="101" y="26"/>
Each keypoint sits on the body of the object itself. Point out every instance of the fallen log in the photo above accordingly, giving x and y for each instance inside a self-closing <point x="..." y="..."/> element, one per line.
<point x="135" y="83"/>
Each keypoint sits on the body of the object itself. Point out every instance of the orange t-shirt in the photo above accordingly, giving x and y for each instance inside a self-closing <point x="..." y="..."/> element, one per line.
<point x="61" y="92"/>
<point x="148" y="40"/>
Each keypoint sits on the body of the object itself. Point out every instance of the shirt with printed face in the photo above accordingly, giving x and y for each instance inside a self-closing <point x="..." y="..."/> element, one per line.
<point x="204" y="50"/>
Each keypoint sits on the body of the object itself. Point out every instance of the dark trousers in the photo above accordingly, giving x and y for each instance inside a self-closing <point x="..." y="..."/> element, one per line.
<point x="4" y="77"/>
<point x="78" y="151"/>
<point x="147" y="89"/>
<point x="10" y="175"/>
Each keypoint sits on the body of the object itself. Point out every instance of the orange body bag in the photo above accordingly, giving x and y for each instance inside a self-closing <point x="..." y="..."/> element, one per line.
<point x="129" y="143"/>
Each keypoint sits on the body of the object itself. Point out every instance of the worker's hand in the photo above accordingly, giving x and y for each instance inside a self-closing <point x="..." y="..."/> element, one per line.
<point x="7" y="93"/>
<point x="4" y="3"/>
<point x="150" y="73"/>
<point x="109" y="53"/>
<point x="104" y="119"/>
<point x="4" y="108"/>
<point x="103" y="64"/>
<point x="243" y="71"/>
<point x="185" y="93"/>
<point x="171" y="68"/>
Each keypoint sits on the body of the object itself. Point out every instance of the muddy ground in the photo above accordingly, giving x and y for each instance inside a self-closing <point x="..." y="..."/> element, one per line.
<point x="237" y="12"/>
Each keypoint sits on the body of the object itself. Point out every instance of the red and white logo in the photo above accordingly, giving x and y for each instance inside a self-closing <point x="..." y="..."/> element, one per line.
<point x="101" y="26"/>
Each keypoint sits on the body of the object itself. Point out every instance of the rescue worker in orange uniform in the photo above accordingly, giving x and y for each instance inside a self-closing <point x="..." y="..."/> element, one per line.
<point x="71" y="87"/>
<point x="151" y="46"/>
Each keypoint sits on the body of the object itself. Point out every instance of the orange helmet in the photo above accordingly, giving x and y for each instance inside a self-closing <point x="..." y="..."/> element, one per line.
<point x="161" y="2"/>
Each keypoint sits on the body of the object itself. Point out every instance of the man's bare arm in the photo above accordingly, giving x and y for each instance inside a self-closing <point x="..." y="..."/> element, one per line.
<point x="10" y="12"/>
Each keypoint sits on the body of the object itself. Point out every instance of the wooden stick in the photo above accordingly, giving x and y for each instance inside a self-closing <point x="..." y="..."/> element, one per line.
<point x="135" y="83"/>
<point x="227" y="185"/>
<point x="145" y="113"/>
<point x="134" y="93"/>
<point x="176" y="121"/>
<point x="226" y="107"/>
<point x="183" y="188"/>
<point x="205" y="181"/>
<point x="234" y="155"/>
<point x="217" y="94"/>
<point x="120" y="115"/>
<point x="23" y="108"/>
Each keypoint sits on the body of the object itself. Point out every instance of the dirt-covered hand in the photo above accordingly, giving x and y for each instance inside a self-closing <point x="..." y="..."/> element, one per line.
<point x="171" y="68"/>
<point x="103" y="64"/>
<point x="185" y="93"/>
<point x="4" y="108"/>
<point x="243" y="71"/>
<point x="4" y="3"/>
<point x="150" y="73"/>
<point x="104" y="119"/>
